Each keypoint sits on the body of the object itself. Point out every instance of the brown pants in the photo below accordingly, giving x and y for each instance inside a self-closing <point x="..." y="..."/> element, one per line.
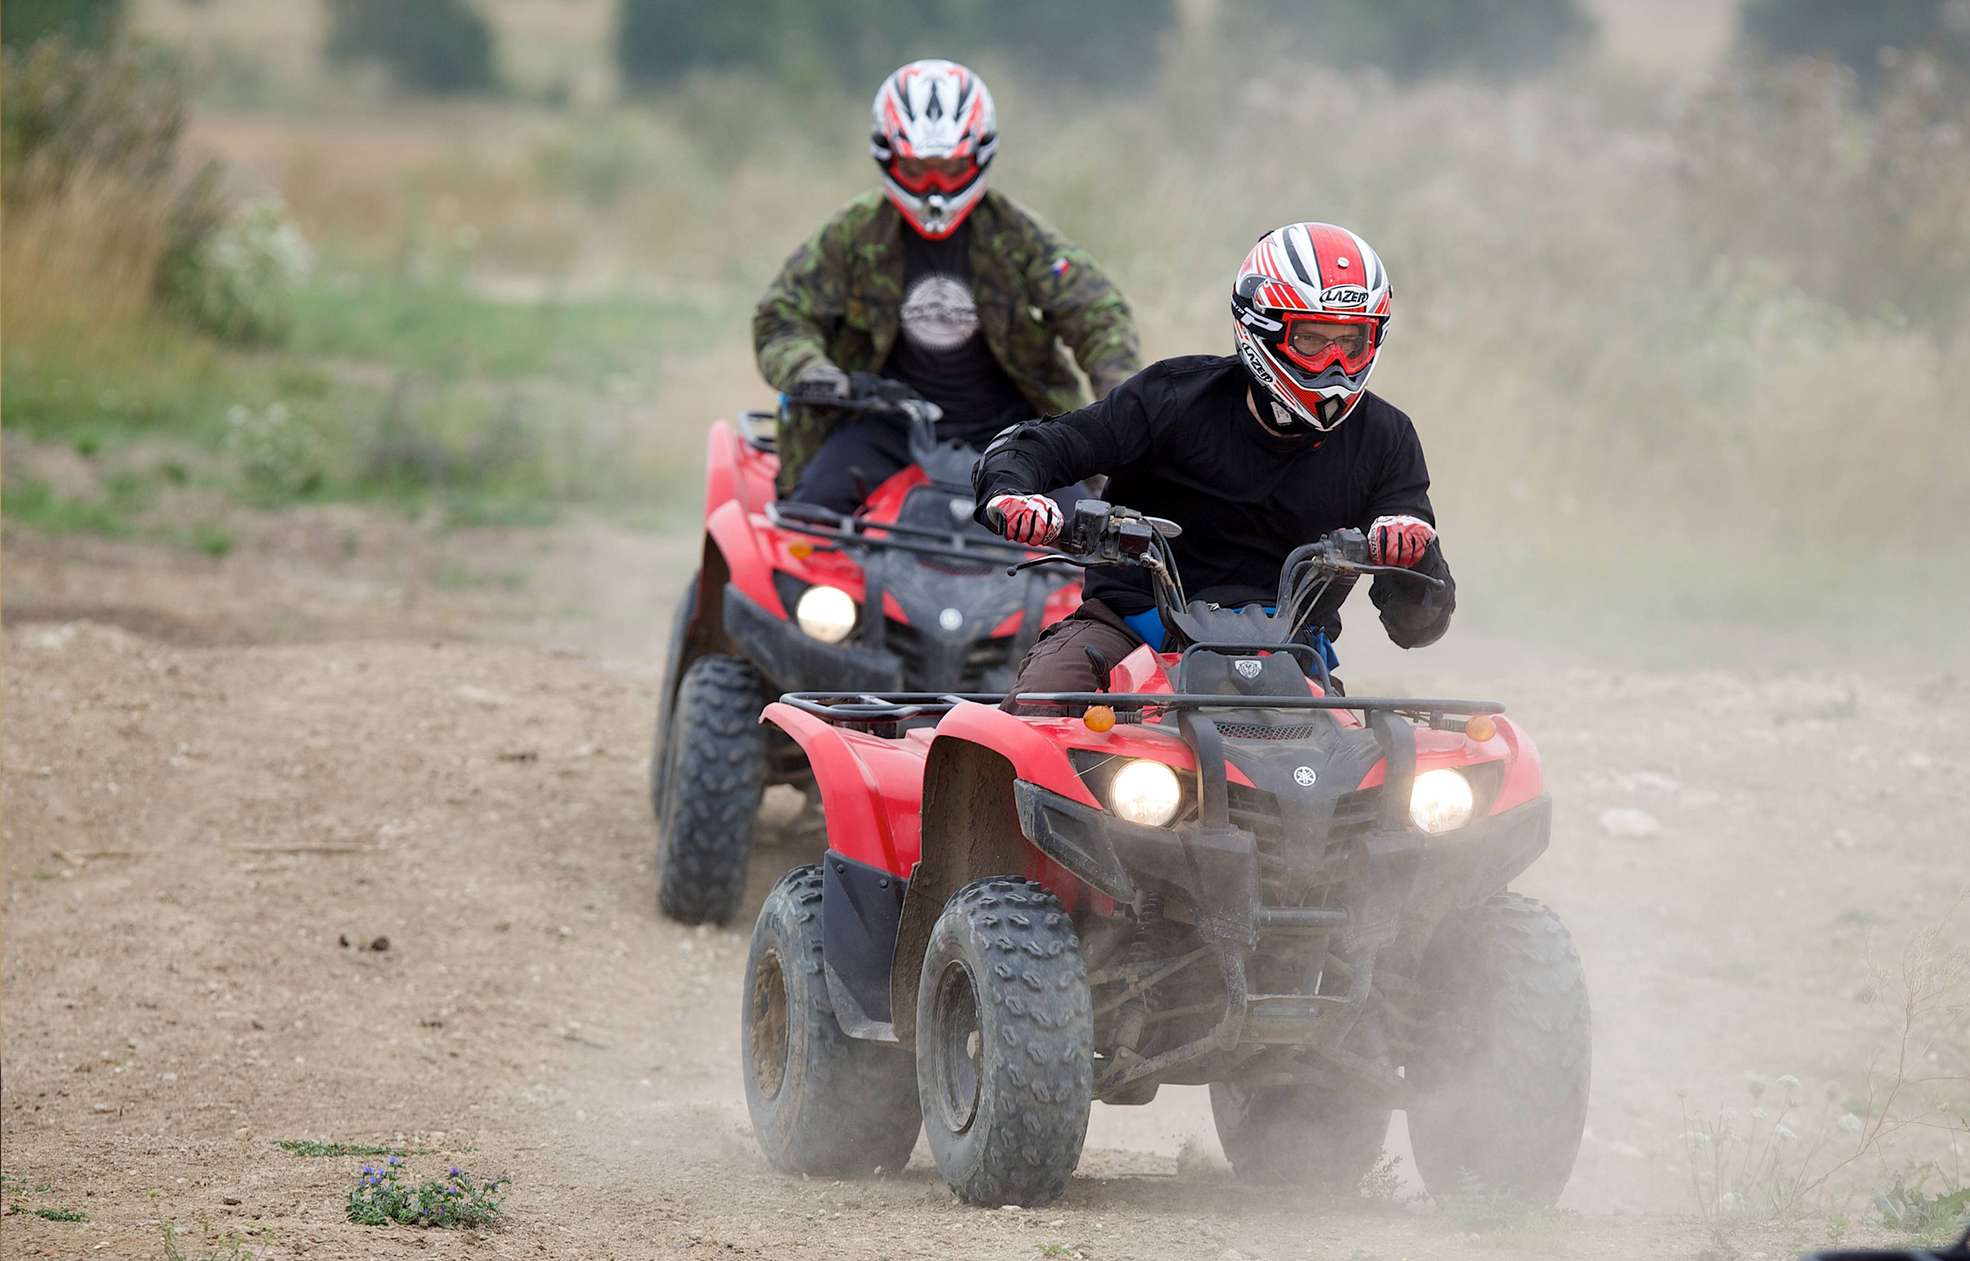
<point x="1059" y="660"/>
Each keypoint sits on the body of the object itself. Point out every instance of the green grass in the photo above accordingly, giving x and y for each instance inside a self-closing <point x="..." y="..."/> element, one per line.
<point x="442" y="329"/>
<point x="35" y="504"/>
<point x="61" y="1214"/>
<point x="313" y="1147"/>
<point x="397" y="392"/>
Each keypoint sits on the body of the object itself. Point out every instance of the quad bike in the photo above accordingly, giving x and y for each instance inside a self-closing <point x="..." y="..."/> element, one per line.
<point x="1216" y="871"/>
<point x="908" y="592"/>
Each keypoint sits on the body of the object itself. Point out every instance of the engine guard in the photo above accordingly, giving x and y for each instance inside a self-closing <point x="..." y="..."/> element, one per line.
<point x="1214" y="871"/>
<point x="796" y="661"/>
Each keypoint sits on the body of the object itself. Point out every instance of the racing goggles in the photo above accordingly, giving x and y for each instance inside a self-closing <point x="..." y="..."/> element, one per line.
<point x="1316" y="342"/>
<point x="924" y="175"/>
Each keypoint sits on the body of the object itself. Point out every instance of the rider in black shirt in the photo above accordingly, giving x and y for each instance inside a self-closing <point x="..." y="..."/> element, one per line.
<point x="1247" y="453"/>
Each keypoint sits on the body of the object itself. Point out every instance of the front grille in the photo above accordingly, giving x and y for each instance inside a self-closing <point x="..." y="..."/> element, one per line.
<point x="1260" y="731"/>
<point x="982" y="658"/>
<point x="1296" y="871"/>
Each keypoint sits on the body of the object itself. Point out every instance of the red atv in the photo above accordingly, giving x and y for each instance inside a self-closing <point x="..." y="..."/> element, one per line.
<point x="907" y="593"/>
<point x="1218" y="870"/>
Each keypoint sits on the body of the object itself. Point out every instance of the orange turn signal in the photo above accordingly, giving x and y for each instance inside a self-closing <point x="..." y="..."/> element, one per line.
<point x="1481" y="728"/>
<point x="801" y="550"/>
<point x="1099" y="718"/>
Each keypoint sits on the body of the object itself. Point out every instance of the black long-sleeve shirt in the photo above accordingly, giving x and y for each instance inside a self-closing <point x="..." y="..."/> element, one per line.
<point x="1178" y="440"/>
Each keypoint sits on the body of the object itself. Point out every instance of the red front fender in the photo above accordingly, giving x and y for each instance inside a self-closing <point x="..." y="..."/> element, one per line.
<point x="746" y="560"/>
<point x="1035" y="756"/>
<point x="871" y="788"/>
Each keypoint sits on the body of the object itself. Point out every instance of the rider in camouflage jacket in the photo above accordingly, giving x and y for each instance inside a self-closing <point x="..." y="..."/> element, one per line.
<point x="836" y="301"/>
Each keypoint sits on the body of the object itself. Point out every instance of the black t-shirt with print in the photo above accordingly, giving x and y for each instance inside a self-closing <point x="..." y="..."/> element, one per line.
<point x="939" y="351"/>
<point x="1178" y="440"/>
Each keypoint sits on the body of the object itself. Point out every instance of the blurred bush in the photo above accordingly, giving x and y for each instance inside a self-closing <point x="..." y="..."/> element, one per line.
<point x="233" y="271"/>
<point x="102" y="220"/>
<point x="84" y="23"/>
<point x="69" y="113"/>
<point x="1868" y="39"/>
<point x="855" y="42"/>
<point x="1868" y="210"/>
<point x="1413" y="39"/>
<point x="437" y="46"/>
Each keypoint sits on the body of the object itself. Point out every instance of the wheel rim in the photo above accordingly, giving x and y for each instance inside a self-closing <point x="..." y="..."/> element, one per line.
<point x="958" y="1046"/>
<point x="766" y="1032"/>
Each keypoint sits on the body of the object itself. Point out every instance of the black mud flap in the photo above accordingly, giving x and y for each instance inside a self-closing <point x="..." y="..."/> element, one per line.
<point x="860" y="908"/>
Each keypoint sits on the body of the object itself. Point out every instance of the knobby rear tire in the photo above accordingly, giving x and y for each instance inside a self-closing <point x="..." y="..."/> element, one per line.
<point x="822" y="1103"/>
<point x="1311" y="1137"/>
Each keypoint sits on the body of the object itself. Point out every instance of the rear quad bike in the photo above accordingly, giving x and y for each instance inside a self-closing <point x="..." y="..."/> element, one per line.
<point x="1216" y="871"/>
<point x="906" y="593"/>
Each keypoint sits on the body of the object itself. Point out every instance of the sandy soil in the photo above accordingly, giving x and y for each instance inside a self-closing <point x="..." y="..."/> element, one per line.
<point x="227" y="782"/>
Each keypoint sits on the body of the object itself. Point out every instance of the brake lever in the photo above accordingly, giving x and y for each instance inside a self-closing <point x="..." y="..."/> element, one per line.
<point x="1350" y="567"/>
<point x="1057" y="558"/>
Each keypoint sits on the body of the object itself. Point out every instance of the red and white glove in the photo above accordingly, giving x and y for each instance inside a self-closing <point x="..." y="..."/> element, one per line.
<point x="1399" y="541"/>
<point x="1030" y="519"/>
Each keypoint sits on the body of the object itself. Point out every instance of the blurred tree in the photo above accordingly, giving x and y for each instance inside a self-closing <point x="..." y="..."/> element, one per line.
<point x="84" y="23"/>
<point x="1414" y="39"/>
<point x="426" y="45"/>
<point x="855" y="42"/>
<point x="1858" y="36"/>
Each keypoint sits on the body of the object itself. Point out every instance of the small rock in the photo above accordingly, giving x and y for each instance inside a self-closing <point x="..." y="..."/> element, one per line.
<point x="167" y="1077"/>
<point x="229" y="1199"/>
<point x="101" y="1107"/>
<point x="343" y="941"/>
<point x="380" y="944"/>
<point x="1628" y="822"/>
<point x="564" y="931"/>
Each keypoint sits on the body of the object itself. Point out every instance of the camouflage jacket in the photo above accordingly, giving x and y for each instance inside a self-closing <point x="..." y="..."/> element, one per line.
<point x="838" y="296"/>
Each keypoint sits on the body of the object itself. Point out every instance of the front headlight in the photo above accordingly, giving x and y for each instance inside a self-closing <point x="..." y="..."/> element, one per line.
<point x="826" y="613"/>
<point x="1441" y="801"/>
<point x="1145" y="792"/>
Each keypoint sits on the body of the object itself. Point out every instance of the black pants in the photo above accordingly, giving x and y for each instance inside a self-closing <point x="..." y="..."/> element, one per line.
<point x="863" y="452"/>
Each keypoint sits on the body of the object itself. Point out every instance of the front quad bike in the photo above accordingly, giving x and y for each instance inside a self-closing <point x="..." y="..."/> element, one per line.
<point x="1216" y="872"/>
<point x="908" y="592"/>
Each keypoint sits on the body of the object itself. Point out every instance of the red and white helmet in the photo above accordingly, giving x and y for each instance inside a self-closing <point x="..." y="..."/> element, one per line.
<point x="935" y="133"/>
<point x="1310" y="308"/>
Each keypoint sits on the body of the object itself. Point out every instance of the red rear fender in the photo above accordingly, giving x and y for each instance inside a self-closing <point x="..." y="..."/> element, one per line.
<point x="871" y="788"/>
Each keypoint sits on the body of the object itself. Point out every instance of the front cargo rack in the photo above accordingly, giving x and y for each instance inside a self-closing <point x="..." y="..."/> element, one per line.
<point x="880" y="709"/>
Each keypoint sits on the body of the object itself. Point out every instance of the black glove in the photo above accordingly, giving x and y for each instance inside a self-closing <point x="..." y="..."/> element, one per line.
<point x="821" y="382"/>
<point x="870" y="387"/>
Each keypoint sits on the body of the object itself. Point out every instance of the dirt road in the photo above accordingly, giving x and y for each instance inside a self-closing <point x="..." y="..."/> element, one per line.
<point x="296" y="849"/>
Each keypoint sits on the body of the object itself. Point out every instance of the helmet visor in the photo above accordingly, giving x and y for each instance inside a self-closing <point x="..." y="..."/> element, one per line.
<point x="924" y="175"/>
<point x="1315" y="343"/>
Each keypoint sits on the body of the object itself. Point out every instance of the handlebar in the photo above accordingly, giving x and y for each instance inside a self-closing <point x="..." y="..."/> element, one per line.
<point x="1103" y="534"/>
<point x="910" y="410"/>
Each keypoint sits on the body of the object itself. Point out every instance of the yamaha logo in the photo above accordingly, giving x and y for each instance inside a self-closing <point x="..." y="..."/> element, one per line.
<point x="1344" y="295"/>
<point x="1247" y="667"/>
<point x="950" y="619"/>
<point x="1304" y="776"/>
